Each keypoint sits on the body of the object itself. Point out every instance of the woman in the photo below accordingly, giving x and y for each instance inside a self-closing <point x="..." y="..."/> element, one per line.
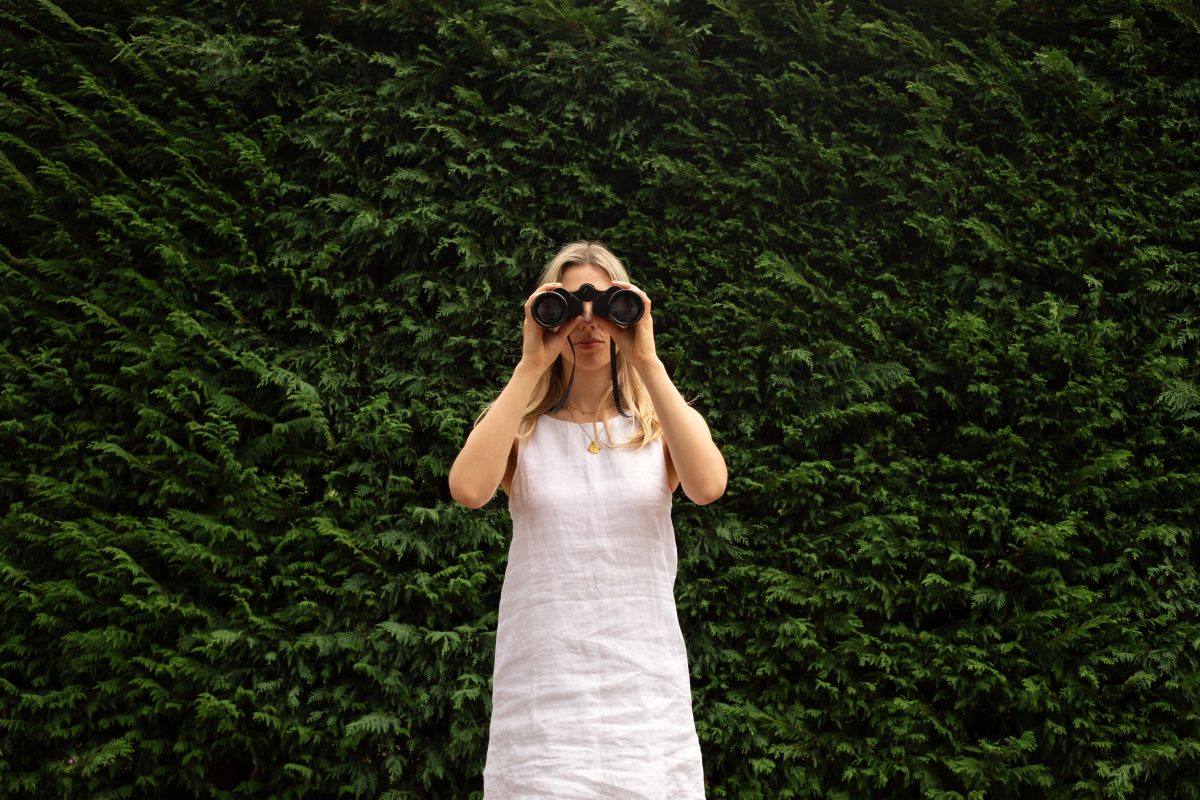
<point x="591" y="696"/>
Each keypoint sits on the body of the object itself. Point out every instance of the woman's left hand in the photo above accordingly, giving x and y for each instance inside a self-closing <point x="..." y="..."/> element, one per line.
<point x="636" y="342"/>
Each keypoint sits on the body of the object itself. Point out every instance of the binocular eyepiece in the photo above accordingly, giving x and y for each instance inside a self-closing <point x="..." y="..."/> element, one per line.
<point x="557" y="306"/>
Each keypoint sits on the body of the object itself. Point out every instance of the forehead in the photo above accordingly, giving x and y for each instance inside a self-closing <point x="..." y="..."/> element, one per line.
<point x="577" y="275"/>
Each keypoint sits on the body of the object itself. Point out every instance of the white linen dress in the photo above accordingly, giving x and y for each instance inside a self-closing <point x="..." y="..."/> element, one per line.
<point x="591" y="696"/>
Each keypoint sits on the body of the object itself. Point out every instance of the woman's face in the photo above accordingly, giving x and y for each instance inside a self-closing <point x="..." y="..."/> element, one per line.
<point x="589" y="338"/>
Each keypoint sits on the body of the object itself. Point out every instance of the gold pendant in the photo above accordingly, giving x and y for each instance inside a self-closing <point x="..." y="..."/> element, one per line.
<point x="594" y="448"/>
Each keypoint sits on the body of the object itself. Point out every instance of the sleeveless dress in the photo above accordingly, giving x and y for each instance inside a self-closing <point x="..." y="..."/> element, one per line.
<point x="591" y="696"/>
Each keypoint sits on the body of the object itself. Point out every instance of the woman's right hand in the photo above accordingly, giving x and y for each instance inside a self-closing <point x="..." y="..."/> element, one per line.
<point x="541" y="346"/>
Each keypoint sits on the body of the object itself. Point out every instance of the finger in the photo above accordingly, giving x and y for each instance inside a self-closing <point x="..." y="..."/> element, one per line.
<point x="570" y="325"/>
<point x="564" y="330"/>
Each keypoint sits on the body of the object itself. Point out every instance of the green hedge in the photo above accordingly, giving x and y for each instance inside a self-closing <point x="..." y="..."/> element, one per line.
<point x="930" y="270"/>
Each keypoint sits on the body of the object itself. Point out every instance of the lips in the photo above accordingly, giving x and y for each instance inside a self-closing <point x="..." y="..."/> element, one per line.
<point x="588" y="342"/>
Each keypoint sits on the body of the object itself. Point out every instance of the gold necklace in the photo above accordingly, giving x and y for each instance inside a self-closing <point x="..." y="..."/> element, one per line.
<point x="594" y="443"/>
<point x="585" y="411"/>
<point x="594" y="446"/>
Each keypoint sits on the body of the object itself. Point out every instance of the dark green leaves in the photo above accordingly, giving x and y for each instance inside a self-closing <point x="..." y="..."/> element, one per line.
<point x="929" y="271"/>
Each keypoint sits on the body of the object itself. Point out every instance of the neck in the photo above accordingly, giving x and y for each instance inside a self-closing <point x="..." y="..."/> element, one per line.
<point x="591" y="389"/>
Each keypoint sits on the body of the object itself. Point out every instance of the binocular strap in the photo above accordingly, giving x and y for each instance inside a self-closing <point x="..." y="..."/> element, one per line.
<point x="612" y="363"/>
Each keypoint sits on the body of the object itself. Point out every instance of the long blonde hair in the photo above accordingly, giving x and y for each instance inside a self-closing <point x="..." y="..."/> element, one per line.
<point x="635" y="398"/>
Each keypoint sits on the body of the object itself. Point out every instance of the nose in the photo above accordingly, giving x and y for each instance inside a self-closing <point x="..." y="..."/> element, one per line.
<point x="586" y="316"/>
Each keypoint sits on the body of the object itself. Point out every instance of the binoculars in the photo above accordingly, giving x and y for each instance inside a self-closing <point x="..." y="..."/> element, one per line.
<point x="557" y="306"/>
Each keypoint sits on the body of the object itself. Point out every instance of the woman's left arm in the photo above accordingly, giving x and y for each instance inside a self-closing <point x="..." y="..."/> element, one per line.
<point x="697" y="461"/>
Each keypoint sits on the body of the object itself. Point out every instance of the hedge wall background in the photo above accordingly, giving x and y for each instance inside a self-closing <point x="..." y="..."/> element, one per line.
<point x="930" y="270"/>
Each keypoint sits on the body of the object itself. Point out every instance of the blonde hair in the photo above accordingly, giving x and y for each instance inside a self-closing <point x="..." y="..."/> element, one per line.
<point x="635" y="398"/>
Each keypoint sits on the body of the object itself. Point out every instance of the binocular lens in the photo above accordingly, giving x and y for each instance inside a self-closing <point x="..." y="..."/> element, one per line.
<point x="549" y="310"/>
<point x="625" y="308"/>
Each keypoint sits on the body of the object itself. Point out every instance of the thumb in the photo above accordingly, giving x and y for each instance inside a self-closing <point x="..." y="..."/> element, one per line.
<point x="565" y="329"/>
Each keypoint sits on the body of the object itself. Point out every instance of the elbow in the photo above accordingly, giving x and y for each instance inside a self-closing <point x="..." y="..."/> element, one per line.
<point x="704" y="498"/>
<point x="708" y="492"/>
<point x="469" y="496"/>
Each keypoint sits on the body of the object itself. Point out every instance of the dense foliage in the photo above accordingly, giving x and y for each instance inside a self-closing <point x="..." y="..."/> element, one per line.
<point x="931" y="271"/>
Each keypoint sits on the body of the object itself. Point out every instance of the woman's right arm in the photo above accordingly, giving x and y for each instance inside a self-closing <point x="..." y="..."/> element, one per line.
<point x="483" y="460"/>
<point x="481" y="464"/>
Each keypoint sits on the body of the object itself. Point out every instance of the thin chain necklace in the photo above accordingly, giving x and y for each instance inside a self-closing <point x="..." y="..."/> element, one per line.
<point x="594" y="443"/>
<point x="585" y="411"/>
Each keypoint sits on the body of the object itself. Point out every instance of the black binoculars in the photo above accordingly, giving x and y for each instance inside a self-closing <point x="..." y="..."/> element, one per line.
<point x="557" y="306"/>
